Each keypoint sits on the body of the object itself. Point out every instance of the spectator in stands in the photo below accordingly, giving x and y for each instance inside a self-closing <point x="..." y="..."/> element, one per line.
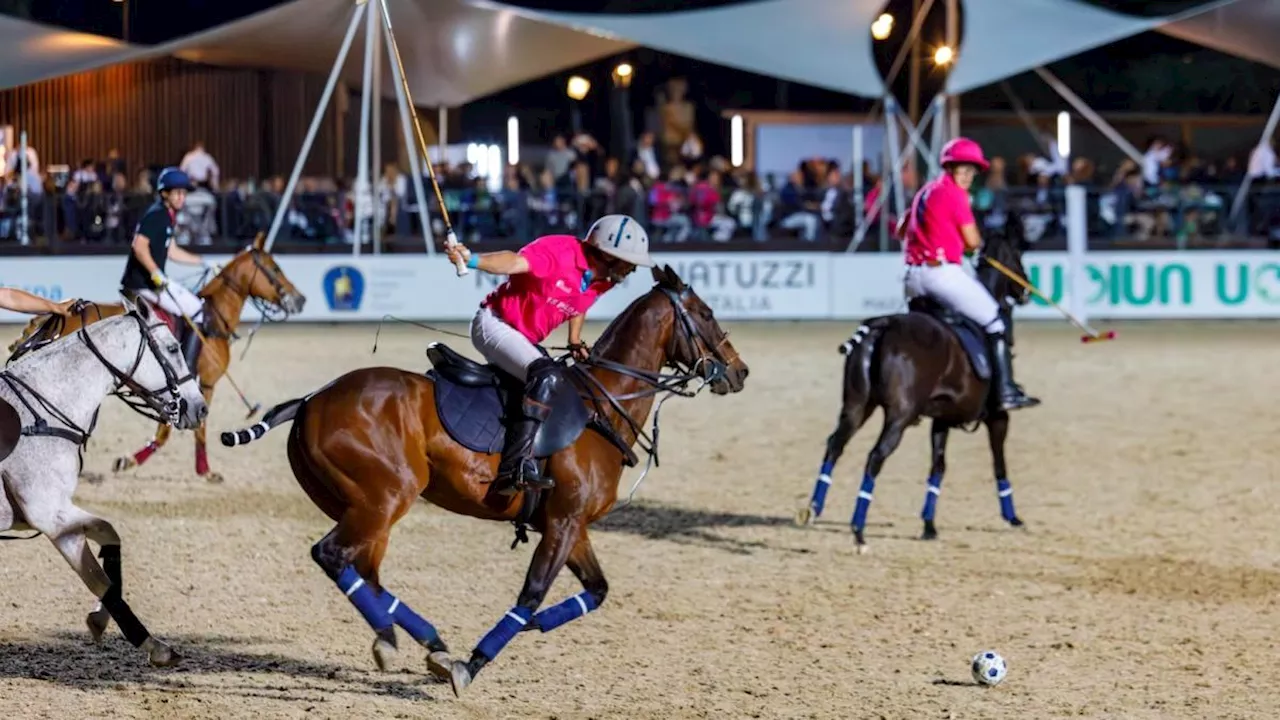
<point x="112" y="165"/>
<point x="632" y="195"/>
<point x="200" y="166"/>
<point x="392" y="188"/>
<point x="559" y="158"/>
<point x="668" y="202"/>
<point x="691" y="150"/>
<point x="837" y="204"/>
<point x="744" y="204"/>
<point x="1159" y="151"/>
<point x="71" y="209"/>
<point x="12" y="160"/>
<point x="647" y="154"/>
<point x="86" y="175"/>
<point x="799" y="210"/>
<point x="707" y="205"/>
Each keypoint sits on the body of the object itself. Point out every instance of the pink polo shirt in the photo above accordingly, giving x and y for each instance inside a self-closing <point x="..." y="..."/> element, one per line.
<point x="539" y="301"/>
<point x="938" y="212"/>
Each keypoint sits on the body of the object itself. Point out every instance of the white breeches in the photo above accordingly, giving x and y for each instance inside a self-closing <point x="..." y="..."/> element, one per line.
<point x="956" y="289"/>
<point x="175" y="299"/>
<point x="502" y="344"/>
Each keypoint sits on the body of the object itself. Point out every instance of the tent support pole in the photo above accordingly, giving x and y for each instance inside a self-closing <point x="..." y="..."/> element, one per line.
<point x="896" y="162"/>
<point x="1094" y="118"/>
<point x="286" y="199"/>
<point x="416" y="170"/>
<point x="1243" y="191"/>
<point x="364" y="192"/>
<point x="375" y="159"/>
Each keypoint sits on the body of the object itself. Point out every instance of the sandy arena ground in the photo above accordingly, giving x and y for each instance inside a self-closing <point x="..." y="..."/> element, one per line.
<point x="1144" y="586"/>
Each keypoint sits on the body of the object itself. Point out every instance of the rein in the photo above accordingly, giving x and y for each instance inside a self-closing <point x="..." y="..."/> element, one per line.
<point x="269" y="311"/>
<point x="709" y="367"/>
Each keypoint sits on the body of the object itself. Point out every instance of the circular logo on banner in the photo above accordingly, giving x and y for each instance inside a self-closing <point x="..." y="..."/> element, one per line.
<point x="1266" y="283"/>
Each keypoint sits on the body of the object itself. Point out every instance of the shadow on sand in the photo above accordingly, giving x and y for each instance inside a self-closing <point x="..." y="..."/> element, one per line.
<point x="71" y="660"/>
<point x="695" y="527"/>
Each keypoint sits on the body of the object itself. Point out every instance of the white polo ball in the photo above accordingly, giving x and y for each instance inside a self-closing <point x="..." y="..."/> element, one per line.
<point x="989" y="668"/>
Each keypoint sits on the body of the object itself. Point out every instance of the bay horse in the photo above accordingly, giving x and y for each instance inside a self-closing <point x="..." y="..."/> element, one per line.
<point x="370" y="443"/>
<point x="48" y="403"/>
<point x="251" y="275"/>
<point x="927" y="362"/>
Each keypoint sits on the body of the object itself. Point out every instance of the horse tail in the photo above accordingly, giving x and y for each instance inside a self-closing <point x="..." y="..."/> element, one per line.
<point x="859" y="351"/>
<point x="276" y="416"/>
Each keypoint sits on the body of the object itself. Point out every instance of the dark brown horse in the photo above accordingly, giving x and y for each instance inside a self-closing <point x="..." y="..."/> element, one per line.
<point x="251" y="275"/>
<point x="927" y="362"/>
<point x="366" y="446"/>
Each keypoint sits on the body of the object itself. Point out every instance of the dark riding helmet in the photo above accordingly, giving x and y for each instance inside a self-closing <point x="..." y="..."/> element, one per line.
<point x="171" y="178"/>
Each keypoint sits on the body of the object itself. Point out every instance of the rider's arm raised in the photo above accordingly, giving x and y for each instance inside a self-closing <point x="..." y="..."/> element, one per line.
<point x="23" y="301"/>
<point x="502" y="262"/>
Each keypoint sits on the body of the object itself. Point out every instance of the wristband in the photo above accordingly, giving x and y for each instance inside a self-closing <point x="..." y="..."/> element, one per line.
<point x="473" y="261"/>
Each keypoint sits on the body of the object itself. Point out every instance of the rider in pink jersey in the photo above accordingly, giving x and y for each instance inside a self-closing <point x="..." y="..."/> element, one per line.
<point x="552" y="280"/>
<point x="938" y="231"/>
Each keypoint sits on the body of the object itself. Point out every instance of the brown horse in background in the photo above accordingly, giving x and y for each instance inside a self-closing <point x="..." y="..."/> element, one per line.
<point x="370" y="443"/>
<point x="251" y="275"/>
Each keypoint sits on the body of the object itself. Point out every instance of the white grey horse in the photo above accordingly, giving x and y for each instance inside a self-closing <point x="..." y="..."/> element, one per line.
<point x="52" y="397"/>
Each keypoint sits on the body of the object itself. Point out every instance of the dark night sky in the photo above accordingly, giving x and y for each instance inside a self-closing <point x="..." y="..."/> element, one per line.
<point x="1149" y="72"/>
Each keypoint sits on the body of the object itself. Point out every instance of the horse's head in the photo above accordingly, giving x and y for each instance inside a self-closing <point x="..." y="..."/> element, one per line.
<point x="1005" y="247"/>
<point x="254" y="273"/>
<point x="698" y="343"/>
<point x="152" y="377"/>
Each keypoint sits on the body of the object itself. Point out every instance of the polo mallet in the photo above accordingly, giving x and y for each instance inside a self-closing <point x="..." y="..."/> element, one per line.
<point x="226" y="372"/>
<point x="1090" y="335"/>
<point x="450" y="238"/>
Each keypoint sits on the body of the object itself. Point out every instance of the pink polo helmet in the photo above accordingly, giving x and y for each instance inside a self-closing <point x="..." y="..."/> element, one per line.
<point x="964" y="150"/>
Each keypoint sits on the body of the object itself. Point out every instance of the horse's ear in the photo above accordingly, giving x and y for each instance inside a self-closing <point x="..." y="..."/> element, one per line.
<point x="675" y="278"/>
<point x="144" y="311"/>
<point x="659" y="274"/>
<point x="129" y="305"/>
<point x="260" y="242"/>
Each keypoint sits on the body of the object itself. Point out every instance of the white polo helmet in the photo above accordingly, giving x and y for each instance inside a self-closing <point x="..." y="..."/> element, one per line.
<point x="622" y="237"/>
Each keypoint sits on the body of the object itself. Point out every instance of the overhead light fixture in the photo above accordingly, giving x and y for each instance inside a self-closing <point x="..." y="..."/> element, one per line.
<point x="578" y="87"/>
<point x="943" y="55"/>
<point x="882" y="27"/>
<point x="623" y="74"/>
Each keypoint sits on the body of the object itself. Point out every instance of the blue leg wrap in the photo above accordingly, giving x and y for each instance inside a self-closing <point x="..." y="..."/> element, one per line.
<point x="931" y="497"/>
<point x="820" y="488"/>
<point x="1005" y="491"/>
<point x="363" y="597"/>
<point x="413" y="623"/>
<point x="497" y="638"/>
<point x="864" y="502"/>
<point x="571" y="609"/>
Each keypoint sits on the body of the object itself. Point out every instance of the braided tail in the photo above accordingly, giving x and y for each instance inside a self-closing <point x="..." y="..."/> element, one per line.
<point x="278" y="415"/>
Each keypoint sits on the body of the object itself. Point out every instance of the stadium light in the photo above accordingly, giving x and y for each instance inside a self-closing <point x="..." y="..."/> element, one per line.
<point x="623" y="74"/>
<point x="578" y="87"/>
<point x="513" y="140"/>
<point x="882" y="27"/>
<point x="943" y="55"/>
<point x="1064" y="134"/>
<point x="735" y="141"/>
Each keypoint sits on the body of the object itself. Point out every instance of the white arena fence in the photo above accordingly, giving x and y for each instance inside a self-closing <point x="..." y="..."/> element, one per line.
<point x="738" y="285"/>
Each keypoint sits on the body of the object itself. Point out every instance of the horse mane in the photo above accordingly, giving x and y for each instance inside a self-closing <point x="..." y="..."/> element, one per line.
<point x="58" y="345"/>
<point x="611" y="334"/>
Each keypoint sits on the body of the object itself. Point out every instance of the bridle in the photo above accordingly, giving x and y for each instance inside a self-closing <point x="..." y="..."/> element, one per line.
<point x="711" y="364"/>
<point x="148" y="403"/>
<point x="271" y="311"/>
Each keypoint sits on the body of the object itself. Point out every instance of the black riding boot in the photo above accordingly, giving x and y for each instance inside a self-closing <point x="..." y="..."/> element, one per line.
<point x="1011" y="396"/>
<point x="518" y="469"/>
<point x="191" y="346"/>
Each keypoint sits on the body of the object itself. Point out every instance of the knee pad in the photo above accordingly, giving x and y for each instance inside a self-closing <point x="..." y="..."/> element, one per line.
<point x="544" y="378"/>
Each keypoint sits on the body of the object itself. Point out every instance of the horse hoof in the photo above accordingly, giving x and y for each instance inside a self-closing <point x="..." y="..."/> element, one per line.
<point x="93" y="478"/>
<point x="123" y="463"/>
<point x="161" y="655"/>
<point x="1016" y="522"/>
<point x="384" y="651"/>
<point x="929" y="534"/>
<point x="214" y="478"/>
<point x="805" y="516"/>
<point x="97" y="622"/>
<point x="440" y="664"/>
<point x="459" y="677"/>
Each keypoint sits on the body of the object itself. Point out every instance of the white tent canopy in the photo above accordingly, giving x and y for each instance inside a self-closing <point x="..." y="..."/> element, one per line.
<point x="454" y="52"/>
<point x="30" y="52"/>
<point x="824" y="43"/>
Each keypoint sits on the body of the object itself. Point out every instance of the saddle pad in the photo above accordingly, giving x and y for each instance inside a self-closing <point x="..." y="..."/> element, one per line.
<point x="471" y="415"/>
<point x="975" y="346"/>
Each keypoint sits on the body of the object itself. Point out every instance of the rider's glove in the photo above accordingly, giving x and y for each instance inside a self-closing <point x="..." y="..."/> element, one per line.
<point x="159" y="280"/>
